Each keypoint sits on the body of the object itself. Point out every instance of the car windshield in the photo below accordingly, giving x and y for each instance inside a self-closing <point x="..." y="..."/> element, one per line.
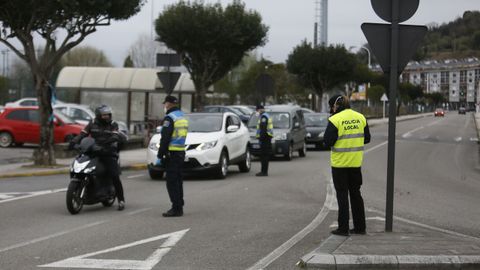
<point x="281" y="120"/>
<point x="204" y="122"/>
<point x="65" y="119"/>
<point x="316" y="120"/>
<point x="439" y="109"/>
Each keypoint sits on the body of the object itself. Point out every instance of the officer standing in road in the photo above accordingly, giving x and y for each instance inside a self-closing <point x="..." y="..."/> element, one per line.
<point x="264" y="136"/>
<point x="346" y="134"/>
<point x="172" y="153"/>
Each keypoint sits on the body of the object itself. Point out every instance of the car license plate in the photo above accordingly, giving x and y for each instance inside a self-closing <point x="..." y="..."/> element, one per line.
<point x="256" y="146"/>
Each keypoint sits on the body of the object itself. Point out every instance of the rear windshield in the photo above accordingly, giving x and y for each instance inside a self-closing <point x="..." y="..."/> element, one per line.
<point x="316" y="120"/>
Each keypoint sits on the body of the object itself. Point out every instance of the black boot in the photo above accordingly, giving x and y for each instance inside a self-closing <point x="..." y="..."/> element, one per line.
<point x="173" y="213"/>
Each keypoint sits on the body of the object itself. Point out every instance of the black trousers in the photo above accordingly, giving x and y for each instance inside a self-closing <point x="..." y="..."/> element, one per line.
<point x="347" y="181"/>
<point x="265" y="153"/>
<point x="174" y="168"/>
<point x="113" y="170"/>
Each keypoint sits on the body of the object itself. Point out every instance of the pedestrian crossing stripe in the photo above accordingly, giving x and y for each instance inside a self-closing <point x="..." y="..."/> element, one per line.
<point x="83" y="261"/>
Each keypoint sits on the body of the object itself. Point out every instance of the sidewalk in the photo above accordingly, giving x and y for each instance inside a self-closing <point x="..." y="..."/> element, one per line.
<point x="410" y="246"/>
<point x="130" y="160"/>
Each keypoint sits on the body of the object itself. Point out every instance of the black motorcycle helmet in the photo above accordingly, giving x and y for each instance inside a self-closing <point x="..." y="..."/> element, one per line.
<point x="103" y="110"/>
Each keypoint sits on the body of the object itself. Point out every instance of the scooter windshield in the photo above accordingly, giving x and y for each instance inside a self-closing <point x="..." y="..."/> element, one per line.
<point x="86" y="144"/>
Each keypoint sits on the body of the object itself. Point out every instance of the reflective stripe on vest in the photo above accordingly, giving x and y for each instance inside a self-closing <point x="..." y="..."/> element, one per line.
<point x="180" y="130"/>
<point x="269" y="125"/>
<point x="348" y="149"/>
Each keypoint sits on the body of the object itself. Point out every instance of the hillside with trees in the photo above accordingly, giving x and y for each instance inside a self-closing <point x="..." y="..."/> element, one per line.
<point x="457" y="39"/>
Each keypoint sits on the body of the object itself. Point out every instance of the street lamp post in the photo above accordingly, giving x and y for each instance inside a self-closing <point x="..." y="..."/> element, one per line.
<point x="368" y="53"/>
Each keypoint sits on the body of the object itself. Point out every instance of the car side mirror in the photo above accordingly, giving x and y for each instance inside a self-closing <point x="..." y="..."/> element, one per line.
<point x="56" y="122"/>
<point x="158" y="129"/>
<point x="232" y="128"/>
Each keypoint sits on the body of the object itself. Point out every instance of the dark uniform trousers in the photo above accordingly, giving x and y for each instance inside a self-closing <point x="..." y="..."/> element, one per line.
<point x="174" y="177"/>
<point x="265" y="153"/>
<point x="348" y="181"/>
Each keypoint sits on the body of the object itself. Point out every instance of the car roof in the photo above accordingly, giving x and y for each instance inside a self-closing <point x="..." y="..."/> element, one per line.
<point x="282" y="108"/>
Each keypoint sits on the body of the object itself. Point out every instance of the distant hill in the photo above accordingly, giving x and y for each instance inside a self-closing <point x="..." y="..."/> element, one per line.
<point x="457" y="39"/>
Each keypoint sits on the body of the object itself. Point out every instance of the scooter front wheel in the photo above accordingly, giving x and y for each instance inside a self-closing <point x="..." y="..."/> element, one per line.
<point x="74" y="202"/>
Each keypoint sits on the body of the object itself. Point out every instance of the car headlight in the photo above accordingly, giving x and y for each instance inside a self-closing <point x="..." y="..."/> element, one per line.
<point x="207" y="145"/>
<point x="321" y="134"/>
<point x="281" y="137"/>
<point x="154" y="146"/>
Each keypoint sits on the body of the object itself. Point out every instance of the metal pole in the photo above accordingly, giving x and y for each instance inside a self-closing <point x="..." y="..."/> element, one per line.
<point x="369" y="57"/>
<point x="384" y="109"/>
<point x="392" y="115"/>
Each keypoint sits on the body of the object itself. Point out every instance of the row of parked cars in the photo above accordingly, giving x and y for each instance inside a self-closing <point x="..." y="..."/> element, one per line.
<point x="19" y="122"/>
<point x="220" y="137"/>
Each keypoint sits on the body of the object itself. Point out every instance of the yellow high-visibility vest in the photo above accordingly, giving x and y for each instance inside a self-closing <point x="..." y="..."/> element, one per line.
<point x="348" y="149"/>
<point x="180" y="130"/>
<point x="269" y="125"/>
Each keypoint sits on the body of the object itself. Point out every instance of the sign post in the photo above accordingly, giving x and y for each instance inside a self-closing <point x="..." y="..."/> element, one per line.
<point x="393" y="45"/>
<point x="384" y="99"/>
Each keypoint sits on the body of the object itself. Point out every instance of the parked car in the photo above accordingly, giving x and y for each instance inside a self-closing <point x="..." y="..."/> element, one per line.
<point x="289" y="131"/>
<point x="245" y="109"/>
<point x="307" y="110"/>
<point x="462" y="110"/>
<point x="316" y="124"/>
<point x="439" y="112"/>
<point x="82" y="114"/>
<point x="19" y="125"/>
<point x="214" y="142"/>
<point x="222" y="109"/>
<point x="26" y="102"/>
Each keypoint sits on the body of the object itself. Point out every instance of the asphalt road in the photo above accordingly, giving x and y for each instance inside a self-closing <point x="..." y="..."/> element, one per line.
<point x="237" y="222"/>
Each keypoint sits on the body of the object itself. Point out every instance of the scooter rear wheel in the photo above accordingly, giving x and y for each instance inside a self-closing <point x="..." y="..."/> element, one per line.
<point x="74" y="202"/>
<point x="109" y="202"/>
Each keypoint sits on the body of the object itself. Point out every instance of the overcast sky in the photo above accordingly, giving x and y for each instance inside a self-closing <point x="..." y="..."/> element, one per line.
<point x="289" y="21"/>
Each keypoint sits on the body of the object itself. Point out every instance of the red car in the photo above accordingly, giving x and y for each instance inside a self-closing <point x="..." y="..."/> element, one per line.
<point x="20" y="125"/>
<point x="439" y="112"/>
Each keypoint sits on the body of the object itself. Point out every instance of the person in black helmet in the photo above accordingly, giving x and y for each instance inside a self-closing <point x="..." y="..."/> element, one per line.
<point x="106" y="135"/>
<point x="346" y="134"/>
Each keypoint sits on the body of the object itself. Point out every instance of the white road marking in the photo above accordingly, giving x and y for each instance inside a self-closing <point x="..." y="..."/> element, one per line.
<point x="139" y="211"/>
<point x="135" y="176"/>
<point x="474" y="139"/>
<point x="375" y="147"/>
<point x="329" y="201"/>
<point x="409" y="133"/>
<point x="34" y="194"/>
<point x="458" y="139"/>
<point x="51" y="236"/>
<point x="82" y="261"/>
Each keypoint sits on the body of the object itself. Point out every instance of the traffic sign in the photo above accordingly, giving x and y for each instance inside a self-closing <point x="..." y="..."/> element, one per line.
<point x="405" y="10"/>
<point x="168" y="80"/>
<point x="384" y="97"/>
<point x="379" y="37"/>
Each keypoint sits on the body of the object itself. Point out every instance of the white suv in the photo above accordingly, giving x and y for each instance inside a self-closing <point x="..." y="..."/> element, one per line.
<point x="214" y="141"/>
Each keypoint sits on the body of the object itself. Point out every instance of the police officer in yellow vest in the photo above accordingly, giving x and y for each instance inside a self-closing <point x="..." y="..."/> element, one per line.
<point x="264" y="136"/>
<point x="346" y="134"/>
<point x="171" y="153"/>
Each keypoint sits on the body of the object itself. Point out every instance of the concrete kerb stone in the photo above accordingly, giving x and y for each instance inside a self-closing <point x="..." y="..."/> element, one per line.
<point x="133" y="167"/>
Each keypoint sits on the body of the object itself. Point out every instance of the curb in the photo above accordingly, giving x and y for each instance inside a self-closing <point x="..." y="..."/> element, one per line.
<point x="329" y="261"/>
<point x="132" y="167"/>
